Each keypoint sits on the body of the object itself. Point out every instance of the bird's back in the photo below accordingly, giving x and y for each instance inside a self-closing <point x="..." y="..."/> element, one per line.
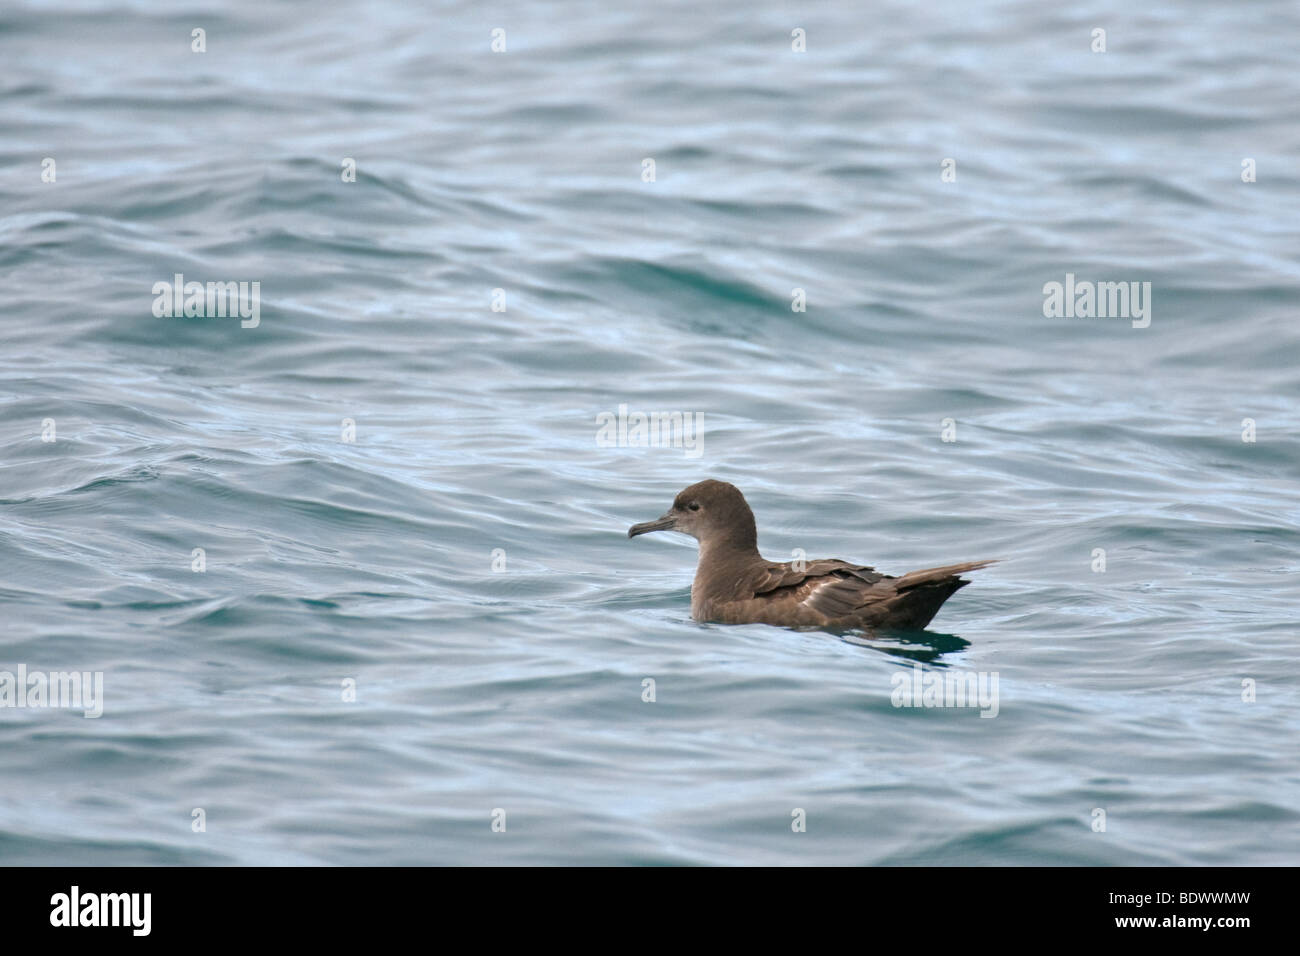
<point x="831" y="594"/>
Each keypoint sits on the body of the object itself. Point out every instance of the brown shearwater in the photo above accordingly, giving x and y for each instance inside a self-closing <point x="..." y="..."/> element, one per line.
<point x="735" y="585"/>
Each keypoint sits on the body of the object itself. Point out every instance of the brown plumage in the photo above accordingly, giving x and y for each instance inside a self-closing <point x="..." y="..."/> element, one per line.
<point x="735" y="585"/>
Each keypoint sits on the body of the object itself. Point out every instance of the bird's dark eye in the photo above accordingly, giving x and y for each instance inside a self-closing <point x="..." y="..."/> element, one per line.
<point x="694" y="506"/>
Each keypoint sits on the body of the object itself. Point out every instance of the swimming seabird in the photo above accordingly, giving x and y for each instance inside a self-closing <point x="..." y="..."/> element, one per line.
<point x="735" y="585"/>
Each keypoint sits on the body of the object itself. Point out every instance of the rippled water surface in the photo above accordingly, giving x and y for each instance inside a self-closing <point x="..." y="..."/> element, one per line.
<point x="464" y="562"/>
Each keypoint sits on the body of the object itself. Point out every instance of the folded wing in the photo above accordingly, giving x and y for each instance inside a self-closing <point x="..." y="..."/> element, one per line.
<point x="841" y="592"/>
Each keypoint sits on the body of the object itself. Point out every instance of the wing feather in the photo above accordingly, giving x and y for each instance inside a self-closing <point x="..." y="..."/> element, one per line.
<point x="831" y="587"/>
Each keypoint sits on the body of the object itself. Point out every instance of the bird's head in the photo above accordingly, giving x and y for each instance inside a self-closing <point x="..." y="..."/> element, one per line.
<point x="712" y="512"/>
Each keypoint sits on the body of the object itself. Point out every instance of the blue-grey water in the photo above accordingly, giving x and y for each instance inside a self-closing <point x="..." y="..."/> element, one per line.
<point x="401" y="491"/>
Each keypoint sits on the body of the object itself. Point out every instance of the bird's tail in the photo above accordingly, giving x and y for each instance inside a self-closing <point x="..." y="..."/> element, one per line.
<point x="920" y="594"/>
<point x="934" y="575"/>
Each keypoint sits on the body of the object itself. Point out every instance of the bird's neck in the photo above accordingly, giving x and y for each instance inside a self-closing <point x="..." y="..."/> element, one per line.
<point x="723" y="567"/>
<point x="732" y="549"/>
